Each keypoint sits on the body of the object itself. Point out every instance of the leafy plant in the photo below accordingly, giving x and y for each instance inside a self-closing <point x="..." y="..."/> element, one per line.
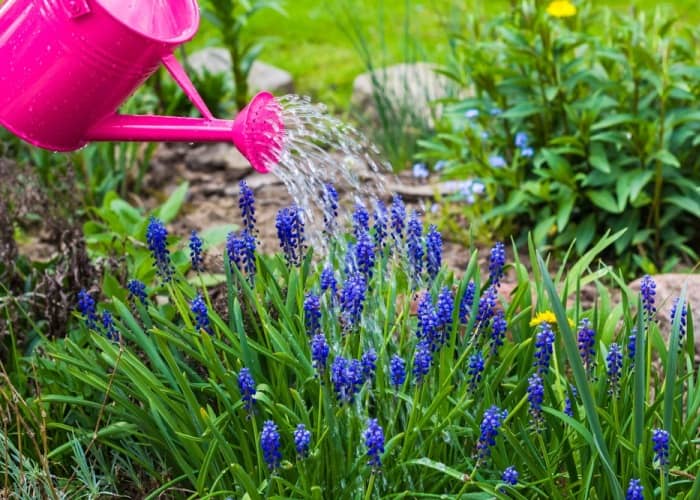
<point x="580" y="124"/>
<point x="230" y="18"/>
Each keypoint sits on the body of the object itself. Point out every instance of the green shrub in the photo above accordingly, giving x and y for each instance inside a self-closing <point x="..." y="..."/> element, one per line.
<point x="159" y="386"/>
<point x="609" y="105"/>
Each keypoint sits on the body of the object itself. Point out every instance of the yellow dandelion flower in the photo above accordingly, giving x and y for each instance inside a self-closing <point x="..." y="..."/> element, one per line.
<point x="561" y="8"/>
<point x="547" y="317"/>
<point x="544" y="317"/>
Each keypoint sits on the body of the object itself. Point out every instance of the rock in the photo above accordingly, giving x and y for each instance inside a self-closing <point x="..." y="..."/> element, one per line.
<point x="262" y="76"/>
<point x="414" y="85"/>
<point x="668" y="287"/>
<point x="218" y="156"/>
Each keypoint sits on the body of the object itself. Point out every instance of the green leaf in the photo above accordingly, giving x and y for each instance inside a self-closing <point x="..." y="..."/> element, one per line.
<point x="666" y="157"/>
<point x="169" y="210"/>
<point x="613" y="121"/>
<point x="214" y="236"/>
<point x="605" y="200"/>
<point x="690" y="205"/>
<point x="598" y="159"/>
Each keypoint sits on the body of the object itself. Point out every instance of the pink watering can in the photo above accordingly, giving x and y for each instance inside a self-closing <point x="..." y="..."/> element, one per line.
<point x="67" y="65"/>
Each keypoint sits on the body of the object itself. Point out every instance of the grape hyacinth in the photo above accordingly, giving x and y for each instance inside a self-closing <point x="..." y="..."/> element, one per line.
<point x="352" y="299"/>
<point x="422" y="360"/>
<point x="108" y="326"/>
<point x="270" y="444"/>
<point x="544" y="346"/>
<point x="330" y="208"/>
<point x="497" y="260"/>
<point x="427" y="322"/>
<point x="201" y="314"/>
<point x="497" y="161"/>
<point x="319" y="352"/>
<point x="498" y="332"/>
<point x="682" y="322"/>
<point x="137" y="290"/>
<point x="635" y="490"/>
<point x="196" y="252"/>
<point x="369" y="365"/>
<point x="613" y="362"/>
<point x="632" y="345"/>
<point x="246" y="384"/>
<point x="360" y="220"/>
<point x="487" y="303"/>
<point x="659" y="438"/>
<point x="248" y="255"/>
<point x="433" y="256"/>
<point x="568" y="404"/>
<point x="397" y="371"/>
<point x="490" y="425"/>
<point x="86" y="307"/>
<point x="364" y="255"/>
<point x="476" y="367"/>
<point x="312" y="314"/>
<point x="156" y="237"/>
<point x="535" y="396"/>
<point x="246" y="202"/>
<point x="374" y="441"/>
<point x="414" y="244"/>
<point x="465" y="305"/>
<point x="398" y="219"/>
<point x="346" y="376"/>
<point x="521" y="140"/>
<point x="290" y="231"/>
<point x="235" y="250"/>
<point x="648" y="291"/>
<point x="302" y="440"/>
<point x="444" y="309"/>
<point x="328" y="281"/>
<point x="380" y="225"/>
<point x="586" y="345"/>
<point x="510" y="476"/>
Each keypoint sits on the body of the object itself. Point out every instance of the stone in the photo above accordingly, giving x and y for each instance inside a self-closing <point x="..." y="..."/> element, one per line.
<point x="415" y="85"/>
<point x="218" y="156"/>
<point x="262" y="76"/>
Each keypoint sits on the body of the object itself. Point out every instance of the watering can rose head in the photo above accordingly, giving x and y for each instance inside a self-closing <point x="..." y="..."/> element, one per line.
<point x="87" y="58"/>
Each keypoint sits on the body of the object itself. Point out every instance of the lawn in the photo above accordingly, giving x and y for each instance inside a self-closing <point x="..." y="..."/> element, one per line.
<point x="310" y="41"/>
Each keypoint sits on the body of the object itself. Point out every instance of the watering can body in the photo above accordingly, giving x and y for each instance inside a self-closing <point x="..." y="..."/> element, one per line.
<point x="66" y="66"/>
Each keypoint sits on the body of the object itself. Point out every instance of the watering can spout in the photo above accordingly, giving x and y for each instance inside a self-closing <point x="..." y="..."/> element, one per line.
<point x="257" y="131"/>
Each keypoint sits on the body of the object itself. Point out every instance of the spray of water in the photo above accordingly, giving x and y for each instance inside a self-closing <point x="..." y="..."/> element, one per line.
<point x="317" y="148"/>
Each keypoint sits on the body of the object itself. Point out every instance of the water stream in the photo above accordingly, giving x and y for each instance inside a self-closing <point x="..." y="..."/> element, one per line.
<point x="319" y="148"/>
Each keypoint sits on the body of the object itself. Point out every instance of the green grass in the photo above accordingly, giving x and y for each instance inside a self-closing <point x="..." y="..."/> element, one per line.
<point x="310" y="43"/>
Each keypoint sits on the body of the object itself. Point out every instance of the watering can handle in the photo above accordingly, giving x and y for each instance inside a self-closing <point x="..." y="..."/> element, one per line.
<point x="180" y="76"/>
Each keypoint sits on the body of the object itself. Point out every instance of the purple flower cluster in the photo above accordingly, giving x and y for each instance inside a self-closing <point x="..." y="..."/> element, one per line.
<point x="414" y="244"/>
<point x="246" y="385"/>
<point x="330" y="208"/>
<point x="364" y="255"/>
<point x="433" y="244"/>
<point x="535" y="396"/>
<point x="444" y="309"/>
<point x="240" y="250"/>
<point x="319" y="352"/>
<point x="498" y="332"/>
<point x="510" y="476"/>
<point x="374" y="441"/>
<point x="380" y="225"/>
<point x="487" y="303"/>
<point x="490" y="425"/>
<point x="201" y="314"/>
<point x="108" y="327"/>
<point x="497" y="260"/>
<point x="613" y="362"/>
<point x="422" y="360"/>
<point x="246" y="203"/>
<point x="360" y="220"/>
<point x="352" y="299"/>
<point x="659" y="439"/>
<point x="398" y="219"/>
<point x="290" y="232"/>
<point x="586" y="345"/>
<point x="156" y="237"/>
<point x="270" y="444"/>
<point x="328" y="281"/>
<point x="369" y="365"/>
<point x="312" y="314"/>
<point x="683" y="321"/>
<point x="137" y="290"/>
<point x="544" y="347"/>
<point x="87" y="307"/>
<point x="302" y="440"/>
<point x="465" y="305"/>
<point x="474" y="370"/>
<point x="397" y="371"/>
<point x="346" y="376"/>
<point x="196" y="258"/>
<point x="635" y="490"/>
<point x="648" y="291"/>
<point x="427" y="322"/>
